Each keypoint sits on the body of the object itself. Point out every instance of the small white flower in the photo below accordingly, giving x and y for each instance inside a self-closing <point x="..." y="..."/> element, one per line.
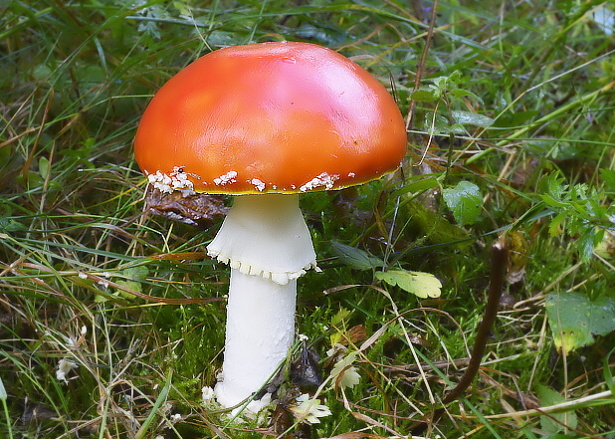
<point x="64" y="367"/>
<point x="309" y="410"/>
<point x="344" y="374"/>
<point x="208" y="394"/>
<point x="83" y="276"/>
<point x="176" y="417"/>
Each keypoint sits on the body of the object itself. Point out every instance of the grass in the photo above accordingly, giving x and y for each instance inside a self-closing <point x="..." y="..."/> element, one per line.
<point x="515" y="103"/>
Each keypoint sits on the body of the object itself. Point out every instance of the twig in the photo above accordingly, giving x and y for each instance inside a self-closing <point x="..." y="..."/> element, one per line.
<point x="498" y="269"/>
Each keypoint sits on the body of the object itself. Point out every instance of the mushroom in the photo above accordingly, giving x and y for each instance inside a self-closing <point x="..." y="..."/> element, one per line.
<point x="267" y="122"/>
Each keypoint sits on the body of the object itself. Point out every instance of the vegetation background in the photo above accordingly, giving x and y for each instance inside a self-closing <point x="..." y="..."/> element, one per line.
<point x="111" y="318"/>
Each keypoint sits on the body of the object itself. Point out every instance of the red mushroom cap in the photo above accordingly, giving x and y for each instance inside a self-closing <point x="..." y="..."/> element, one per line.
<point x="270" y="117"/>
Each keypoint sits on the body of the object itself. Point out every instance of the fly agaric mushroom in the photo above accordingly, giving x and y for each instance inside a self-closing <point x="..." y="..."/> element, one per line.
<point x="267" y="122"/>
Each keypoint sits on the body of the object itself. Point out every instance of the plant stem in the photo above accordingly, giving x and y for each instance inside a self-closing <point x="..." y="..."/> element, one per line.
<point x="3" y="397"/>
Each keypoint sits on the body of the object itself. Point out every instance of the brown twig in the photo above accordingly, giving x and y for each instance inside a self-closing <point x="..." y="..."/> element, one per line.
<point x="498" y="270"/>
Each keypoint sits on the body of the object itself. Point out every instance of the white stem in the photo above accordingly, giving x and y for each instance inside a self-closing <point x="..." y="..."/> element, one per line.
<point x="266" y="242"/>
<point x="260" y="328"/>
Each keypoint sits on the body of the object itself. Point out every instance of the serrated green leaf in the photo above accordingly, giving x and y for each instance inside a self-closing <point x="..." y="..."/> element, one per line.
<point x="420" y="284"/>
<point x="574" y="319"/>
<point x="465" y="201"/>
<point x="356" y="258"/>
<point x="554" y="225"/>
<point x="556" y="186"/>
<point x="469" y="118"/>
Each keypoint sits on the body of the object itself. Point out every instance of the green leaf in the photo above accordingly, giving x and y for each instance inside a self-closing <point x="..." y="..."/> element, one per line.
<point x="608" y="176"/>
<point x="465" y="201"/>
<point x="143" y="430"/>
<point x="588" y="239"/>
<point x="133" y="277"/>
<point x="418" y="186"/>
<point x="425" y="95"/>
<point x="469" y="118"/>
<point x="554" y="225"/>
<point x="574" y="319"/>
<point x="418" y="283"/>
<point x="455" y="128"/>
<point x="356" y="258"/>
<point x="138" y="273"/>
<point x="459" y="93"/>
<point x="43" y="167"/>
<point x="555" y="185"/>
<point x="550" y="201"/>
<point x="435" y="227"/>
<point x="550" y="423"/>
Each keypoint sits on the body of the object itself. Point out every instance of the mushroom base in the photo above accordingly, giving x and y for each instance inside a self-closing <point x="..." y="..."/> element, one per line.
<point x="259" y="332"/>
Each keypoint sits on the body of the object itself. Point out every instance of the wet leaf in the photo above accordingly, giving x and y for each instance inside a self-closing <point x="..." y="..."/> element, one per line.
<point x="575" y="319"/>
<point x="420" y="284"/>
<point x="465" y="201"/>
<point x="305" y="370"/>
<point x="356" y="258"/>
<point x="469" y="118"/>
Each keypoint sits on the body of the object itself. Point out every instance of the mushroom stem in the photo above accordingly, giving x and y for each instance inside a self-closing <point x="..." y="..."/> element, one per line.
<point x="260" y="328"/>
<point x="266" y="242"/>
